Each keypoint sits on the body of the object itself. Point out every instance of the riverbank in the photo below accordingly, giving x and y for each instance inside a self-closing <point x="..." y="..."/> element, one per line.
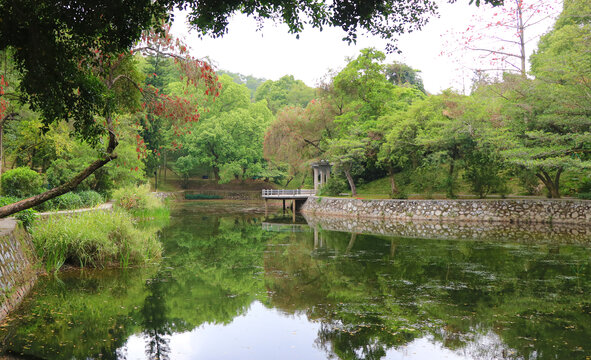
<point x="511" y="211"/>
<point x="100" y="236"/>
<point x="18" y="265"/>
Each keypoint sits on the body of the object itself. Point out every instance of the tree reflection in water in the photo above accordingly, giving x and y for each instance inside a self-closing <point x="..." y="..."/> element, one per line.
<point x="370" y="295"/>
<point x="156" y="325"/>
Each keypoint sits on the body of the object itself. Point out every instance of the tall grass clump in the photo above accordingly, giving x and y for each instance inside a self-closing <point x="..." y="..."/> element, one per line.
<point x="94" y="239"/>
<point x="141" y="203"/>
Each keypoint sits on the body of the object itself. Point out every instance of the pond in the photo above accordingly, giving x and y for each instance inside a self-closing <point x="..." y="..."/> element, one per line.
<point x="234" y="285"/>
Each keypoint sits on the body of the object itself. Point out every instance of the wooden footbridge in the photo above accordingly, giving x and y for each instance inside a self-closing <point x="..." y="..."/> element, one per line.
<point x="297" y="196"/>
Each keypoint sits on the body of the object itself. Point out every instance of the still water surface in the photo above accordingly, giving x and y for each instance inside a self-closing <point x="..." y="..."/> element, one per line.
<point x="233" y="287"/>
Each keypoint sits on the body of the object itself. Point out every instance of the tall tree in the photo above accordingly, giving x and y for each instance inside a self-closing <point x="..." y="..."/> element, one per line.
<point x="296" y="135"/>
<point x="497" y="42"/>
<point x="346" y="153"/>
<point x="229" y="138"/>
<point x="551" y="115"/>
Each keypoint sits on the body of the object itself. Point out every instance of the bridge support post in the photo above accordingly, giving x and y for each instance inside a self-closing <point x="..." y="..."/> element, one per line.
<point x="293" y="203"/>
<point x="284" y="206"/>
<point x="266" y="208"/>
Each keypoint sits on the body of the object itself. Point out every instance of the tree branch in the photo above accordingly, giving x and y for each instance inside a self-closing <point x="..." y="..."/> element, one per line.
<point x="496" y="52"/>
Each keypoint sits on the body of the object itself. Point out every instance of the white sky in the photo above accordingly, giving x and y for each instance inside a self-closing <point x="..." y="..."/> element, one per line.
<point x="272" y="52"/>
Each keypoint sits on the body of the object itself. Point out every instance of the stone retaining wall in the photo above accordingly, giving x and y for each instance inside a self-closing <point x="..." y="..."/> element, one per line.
<point x="513" y="211"/>
<point x="533" y="233"/>
<point x="17" y="265"/>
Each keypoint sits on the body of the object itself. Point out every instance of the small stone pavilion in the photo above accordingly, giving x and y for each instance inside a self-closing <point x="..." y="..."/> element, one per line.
<point x="321" y="173"/>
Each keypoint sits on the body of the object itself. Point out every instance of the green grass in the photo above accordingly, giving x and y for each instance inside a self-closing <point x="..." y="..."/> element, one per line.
<point x="380" y="187"/>
<point x="94" y="239"/>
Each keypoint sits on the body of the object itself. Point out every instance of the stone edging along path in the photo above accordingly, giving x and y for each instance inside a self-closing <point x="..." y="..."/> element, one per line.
<point x="506" y="210"/>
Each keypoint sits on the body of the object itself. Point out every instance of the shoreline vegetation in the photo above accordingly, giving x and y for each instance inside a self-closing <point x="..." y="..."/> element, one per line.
<point x="125" y="236"/>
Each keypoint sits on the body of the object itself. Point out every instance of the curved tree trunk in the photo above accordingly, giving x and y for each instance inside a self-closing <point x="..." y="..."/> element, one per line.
<point x="553" y="185"/>
<point x="216" y="173"/>
<point x="351" y="182"/>
<point x="393" y="187"/>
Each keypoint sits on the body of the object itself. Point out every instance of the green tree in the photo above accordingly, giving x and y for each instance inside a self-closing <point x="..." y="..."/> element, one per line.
<point x="251" y="82"/>
<point x="229" y="138"/>
<point x="286" y="91"/>
<point x="295" y="136"/>
<point x="403" y="75"/>
<point x="550" y="116"/>
<point x="159" y="71"/>
<point x="347" y="153"/>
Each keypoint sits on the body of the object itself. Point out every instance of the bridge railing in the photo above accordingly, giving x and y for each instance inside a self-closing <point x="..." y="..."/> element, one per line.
<point x="295" y="192"/>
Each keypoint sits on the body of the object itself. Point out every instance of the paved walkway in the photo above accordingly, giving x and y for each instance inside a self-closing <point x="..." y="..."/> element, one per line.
<point x="7" y="225"/>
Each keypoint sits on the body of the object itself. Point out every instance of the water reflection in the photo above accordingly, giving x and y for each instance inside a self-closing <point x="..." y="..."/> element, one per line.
<point x="233" y="286"/>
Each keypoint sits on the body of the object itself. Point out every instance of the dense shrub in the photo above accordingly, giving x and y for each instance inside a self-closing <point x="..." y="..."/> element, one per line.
<point x="21" y="182"/>
<point x="529" y="182"/>
<point x="334" y="186"/>
<point x="136" y="198"/>
<point x="48" y="205"/>
<point x="90" y="198"/>
<point x="95" y="239"/>
<point x="584" y="190"/>
<point x="429" y="178"/>
<point x="68" y="201"/>
<point x="71" y="201"/>
<point x="483" y="173"/>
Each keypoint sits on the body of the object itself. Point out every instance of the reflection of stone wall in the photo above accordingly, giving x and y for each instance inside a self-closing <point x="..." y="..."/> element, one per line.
<point x="514" y="211"/>
<point x="17" y="273"/>
<point x="494" y="231"/>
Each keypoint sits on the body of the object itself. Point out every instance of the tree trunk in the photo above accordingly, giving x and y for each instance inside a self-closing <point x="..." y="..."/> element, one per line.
<point x="1" y="146"/>
<point x="165" y="164"/>
<point x="393" y="187"/>
<point x="67" y="187"/>
<point x="351" y="182"/>
<point x="216" y="173"/>
<point x="351" y="243"/>
<point x="288" y="181"/>
<point x="304" y="179"/>
<point x="521" y="33"/>
<point x="553" y="185"/>
<point x="450" y="180"/>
